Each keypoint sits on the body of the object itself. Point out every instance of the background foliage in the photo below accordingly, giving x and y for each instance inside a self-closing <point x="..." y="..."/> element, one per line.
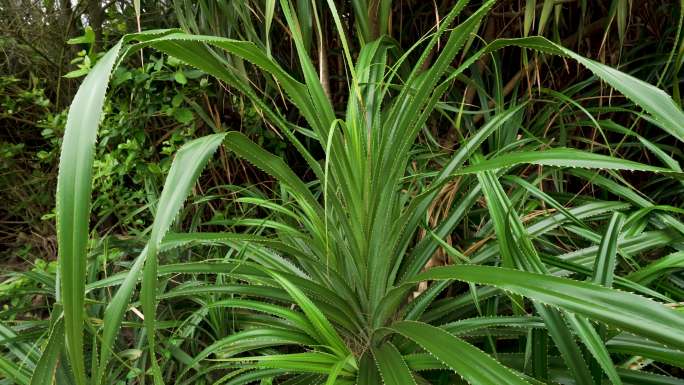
<point x="157" y="102"/>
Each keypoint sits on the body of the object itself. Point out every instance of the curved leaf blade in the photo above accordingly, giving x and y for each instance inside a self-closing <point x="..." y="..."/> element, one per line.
<point x="562" y="157"/>
<point x="627" y="311"/>
<point x="185" y="169"/>
<point x="471" y="363"/>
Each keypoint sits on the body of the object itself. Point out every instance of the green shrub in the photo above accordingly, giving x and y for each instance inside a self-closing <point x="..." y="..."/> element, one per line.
<point x="331" y="285"/>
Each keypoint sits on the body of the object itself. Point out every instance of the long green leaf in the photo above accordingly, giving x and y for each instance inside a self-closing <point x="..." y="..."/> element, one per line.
<point x="185" y="169"/>
<point x="625" y="343"/>
<point x="619" y="309"/>
<point x="562" y="157"/>
<point x="74" y="185"/>
<point x="474" y="365"/>
<point x="393" y="369"/>
<point x="46" y="366"/>
<point x="594" y="343"/>
<point x="314" y="315"/>
<point x="605" y="261"/>
<point x="658" y="268"/>
<point x="368" y="371"/>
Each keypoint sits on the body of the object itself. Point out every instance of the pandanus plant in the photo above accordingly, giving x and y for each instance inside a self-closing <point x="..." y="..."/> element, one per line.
<point x="333" y="289"/>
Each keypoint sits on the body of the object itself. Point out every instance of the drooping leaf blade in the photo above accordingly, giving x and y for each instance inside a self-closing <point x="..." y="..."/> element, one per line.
<point x="619" y="309"/>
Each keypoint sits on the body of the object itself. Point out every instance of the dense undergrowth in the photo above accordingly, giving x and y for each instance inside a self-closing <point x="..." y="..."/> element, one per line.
<point x="362" y="192"/>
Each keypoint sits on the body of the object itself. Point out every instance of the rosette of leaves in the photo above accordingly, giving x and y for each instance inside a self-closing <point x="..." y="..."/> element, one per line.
<point x="327" y="290"/>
